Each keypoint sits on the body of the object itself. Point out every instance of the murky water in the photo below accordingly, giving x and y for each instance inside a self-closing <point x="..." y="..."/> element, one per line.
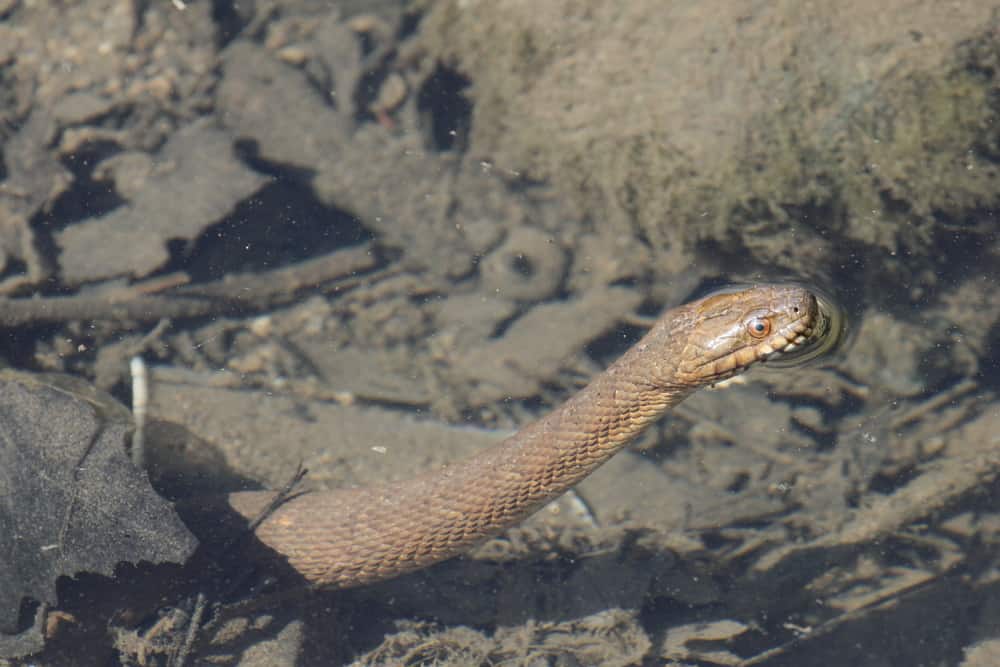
<point x="371" y="239"/>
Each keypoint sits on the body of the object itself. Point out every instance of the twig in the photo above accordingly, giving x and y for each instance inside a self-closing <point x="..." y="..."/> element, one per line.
<point x="194" y="626"/>
<point x="140" y="403"/>
<point x="283" y="495"/>
<point x="242" y="292"/>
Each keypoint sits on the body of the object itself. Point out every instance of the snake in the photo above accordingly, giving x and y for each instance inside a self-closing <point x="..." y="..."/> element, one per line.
<point x="351" y="537"/>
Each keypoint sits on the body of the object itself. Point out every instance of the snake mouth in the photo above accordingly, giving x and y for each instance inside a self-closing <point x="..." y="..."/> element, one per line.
<point x="817" y="330"/>
<point x="808" y="338"/>
<point x="784" y="347"/>
<point x="789" y="343"/>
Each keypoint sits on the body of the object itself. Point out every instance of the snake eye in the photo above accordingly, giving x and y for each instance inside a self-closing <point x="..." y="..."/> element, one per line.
<point x="759" y="327"/>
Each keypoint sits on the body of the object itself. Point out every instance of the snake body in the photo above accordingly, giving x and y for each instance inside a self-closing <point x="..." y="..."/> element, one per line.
<point x="357" y="536"/>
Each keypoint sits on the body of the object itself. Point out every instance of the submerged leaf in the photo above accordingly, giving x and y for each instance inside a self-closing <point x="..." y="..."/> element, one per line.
<point x="71" y="501"/>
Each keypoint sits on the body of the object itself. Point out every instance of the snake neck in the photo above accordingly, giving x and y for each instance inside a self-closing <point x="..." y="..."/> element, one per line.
<point x="568" y="444"/>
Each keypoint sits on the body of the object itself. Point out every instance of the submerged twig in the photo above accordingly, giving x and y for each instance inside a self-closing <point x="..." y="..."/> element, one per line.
<point x="233" y="293"/>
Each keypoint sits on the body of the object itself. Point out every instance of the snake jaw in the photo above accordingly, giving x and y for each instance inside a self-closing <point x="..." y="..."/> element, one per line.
<point x="827" y="331"/>
<point x="785" y="343"/>
<point x="800" y="335"/>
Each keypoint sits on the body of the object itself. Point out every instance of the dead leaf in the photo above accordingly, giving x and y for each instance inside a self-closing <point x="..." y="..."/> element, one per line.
<point x="70" y="499"/>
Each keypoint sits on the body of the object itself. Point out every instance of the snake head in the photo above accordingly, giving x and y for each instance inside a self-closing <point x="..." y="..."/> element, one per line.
<point x="731" y="330"/>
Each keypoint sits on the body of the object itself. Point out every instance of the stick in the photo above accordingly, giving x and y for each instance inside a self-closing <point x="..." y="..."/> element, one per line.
<point x="251" y="291"/>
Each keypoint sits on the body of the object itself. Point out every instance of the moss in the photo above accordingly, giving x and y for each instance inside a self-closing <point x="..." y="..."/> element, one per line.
<point x="763" y="139"/>
<point x="888" y="168"/>
<point x="912" y="157"/>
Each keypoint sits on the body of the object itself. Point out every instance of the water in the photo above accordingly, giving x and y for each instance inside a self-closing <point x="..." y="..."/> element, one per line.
<point x="524" y="187"/>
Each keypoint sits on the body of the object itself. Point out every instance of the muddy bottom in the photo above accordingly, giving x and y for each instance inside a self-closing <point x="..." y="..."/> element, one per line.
<point x="368" y="239"/>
